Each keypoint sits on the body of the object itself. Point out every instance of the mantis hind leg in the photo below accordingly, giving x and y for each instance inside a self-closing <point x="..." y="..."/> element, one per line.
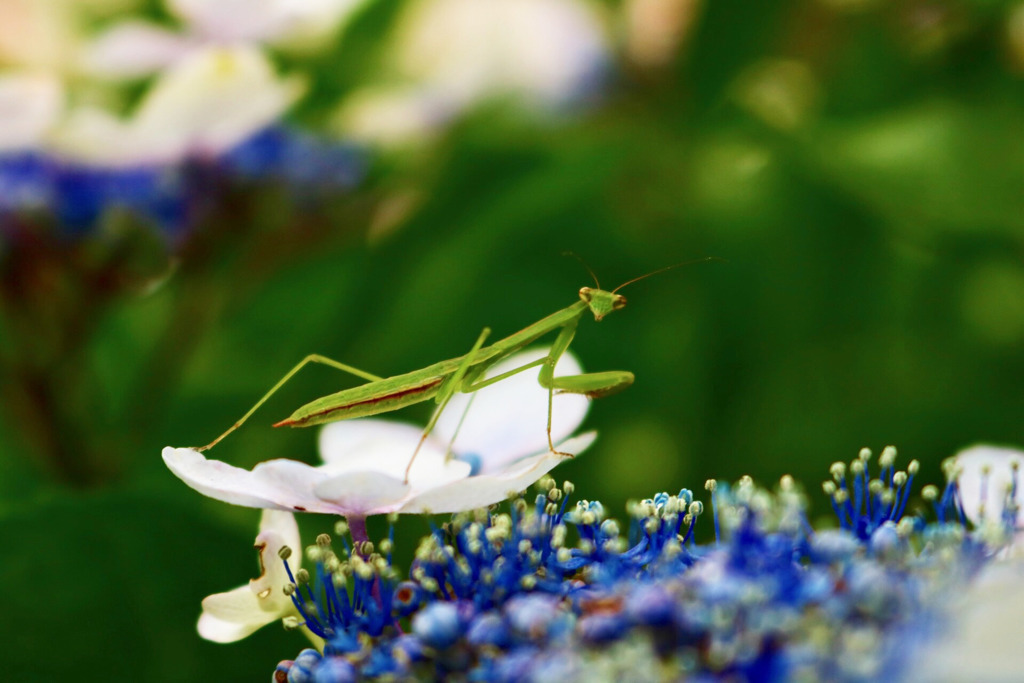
<point x="312" y="358"/>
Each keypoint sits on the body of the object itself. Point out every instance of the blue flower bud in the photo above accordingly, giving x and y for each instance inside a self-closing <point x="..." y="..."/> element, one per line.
<point x="335" y="670"/>
<point x="438" y="625"/>
<point x="602" y="628"/>
<point x="489" y="629"/>
<point x="650" y="605"/>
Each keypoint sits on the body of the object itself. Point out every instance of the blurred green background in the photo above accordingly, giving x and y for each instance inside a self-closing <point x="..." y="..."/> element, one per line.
<point x="859" y="166"/>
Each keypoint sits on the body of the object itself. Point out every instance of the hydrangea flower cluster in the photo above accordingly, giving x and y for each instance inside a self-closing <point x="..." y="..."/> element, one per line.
<point x="212" y="108"/>
<point x="139" y="115"/>
<point x="551" y="591"/>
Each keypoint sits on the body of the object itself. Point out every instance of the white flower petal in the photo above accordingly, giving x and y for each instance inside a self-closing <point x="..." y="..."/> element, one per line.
<point x="393" y="116"/>
<point x="134" y="49"/>
<point x="211" y="101"/>
<point x="268" y="587"/>
<point x="97" y="137"/>
<point x="219" y="631"/>
<point x="230" y="20"/>
<point x="306" y="23"/>
<point x="235" y="614"/>
<point x="284" y="525"/>
<point x="363" y="493"/>
<point x="545" y="51"/>
<point x="263" y="20"/>
<point x="353" y="444"/>
<point x="29" y="106"/>
<point x="487" y="489"/>
<point x="983" y="639"/>
<point x="508" y="420"/>
<point x="257" y="489"/>
<point x="972" y="461"/>
<point x="387" y="446"/>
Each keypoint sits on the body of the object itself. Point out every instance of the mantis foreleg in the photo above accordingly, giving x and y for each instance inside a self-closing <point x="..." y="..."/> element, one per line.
<point x="447" y="390"/>
<point x="591" y="384"/>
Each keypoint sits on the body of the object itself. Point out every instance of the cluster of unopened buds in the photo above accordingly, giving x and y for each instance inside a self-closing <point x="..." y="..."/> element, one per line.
<point x="548" y="590"/>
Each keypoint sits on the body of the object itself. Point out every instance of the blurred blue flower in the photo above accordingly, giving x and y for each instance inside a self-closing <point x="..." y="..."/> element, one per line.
<point x="76" y="195"/>
<point x="302" y="162"/>
<point x="25" y="182"/>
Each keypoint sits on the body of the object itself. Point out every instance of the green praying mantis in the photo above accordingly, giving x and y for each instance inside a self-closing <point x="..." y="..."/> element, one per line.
<point x="465" y="374"/>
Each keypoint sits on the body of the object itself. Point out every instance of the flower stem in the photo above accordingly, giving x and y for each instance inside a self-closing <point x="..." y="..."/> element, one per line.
<point x="357" y="527"/>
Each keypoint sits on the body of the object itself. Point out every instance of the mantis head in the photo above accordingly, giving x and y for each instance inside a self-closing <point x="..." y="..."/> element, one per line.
<point x="601" y="302"/>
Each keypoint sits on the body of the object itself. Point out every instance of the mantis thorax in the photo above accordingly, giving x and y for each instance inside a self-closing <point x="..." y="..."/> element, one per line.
<point x="601" y="303"/>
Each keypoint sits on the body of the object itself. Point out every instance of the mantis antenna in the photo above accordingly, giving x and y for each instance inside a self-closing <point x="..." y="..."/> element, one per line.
<point x="662" y="270"/>
<point x="583" y="263"/>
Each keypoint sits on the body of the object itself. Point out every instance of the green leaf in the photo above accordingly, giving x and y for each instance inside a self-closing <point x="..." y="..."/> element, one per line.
<point x="108" y="587"/>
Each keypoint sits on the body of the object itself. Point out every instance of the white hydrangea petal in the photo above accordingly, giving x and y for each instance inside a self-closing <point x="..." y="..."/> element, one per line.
<point x="263" y="20"/>
<point x="387" y="447"/>
<point x="982" y="642"/>
<point x="234" y="485"/>
<point x="211" y="101"/>
<point x="393" y="116"/>
<point x="487" y="489"/>
<point x="363" y="493"/>
<point x="29" y="107"/>
<point x="220" y="631"/>
<point x="553" y="48"/>
<point x="230" y="20"/>
<point x="97" y="137"/>
<point x="508" y="420"/>
<point x="134" y="49"/>
<point x="233" y="615"/>
<point x="268" y="587"/>
<point x="999" y="460"/>
<point x="284" y="525"/>
<point x="357" y="444"/>
<point x="306" y="23"/>
<point x="295" y="480"/>
<point x="545" y="51"/>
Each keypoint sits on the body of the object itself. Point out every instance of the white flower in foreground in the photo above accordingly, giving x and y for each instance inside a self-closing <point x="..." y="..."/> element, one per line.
<point x="233" y="615"/>
<point x="983" y="643"/>
<point x="985" y="476"/>
<point x="501" y="449"/>
<point x="137" y="48"/>
<point x="204" y="105"/>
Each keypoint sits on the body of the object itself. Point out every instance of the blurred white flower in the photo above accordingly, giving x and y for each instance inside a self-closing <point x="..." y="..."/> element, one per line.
<point x="137" y="48"/>
<point x="983" y="641"/>
<point x="500" y="449"/>
<point x="985" y="475"/>
<point x="450" y="54"/>
<point x="233" y="615"/>
<point x="394" y="116"/>
<point x="29" y="107"/>
<point x="203" y="105"/>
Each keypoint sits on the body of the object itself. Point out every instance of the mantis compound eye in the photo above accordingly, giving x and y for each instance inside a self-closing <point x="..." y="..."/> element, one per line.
<point x="586" y="293"/>
<point x="618" y="302"/>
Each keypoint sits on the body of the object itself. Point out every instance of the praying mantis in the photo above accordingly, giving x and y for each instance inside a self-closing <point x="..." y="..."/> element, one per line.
<point x="465" y="374"/>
